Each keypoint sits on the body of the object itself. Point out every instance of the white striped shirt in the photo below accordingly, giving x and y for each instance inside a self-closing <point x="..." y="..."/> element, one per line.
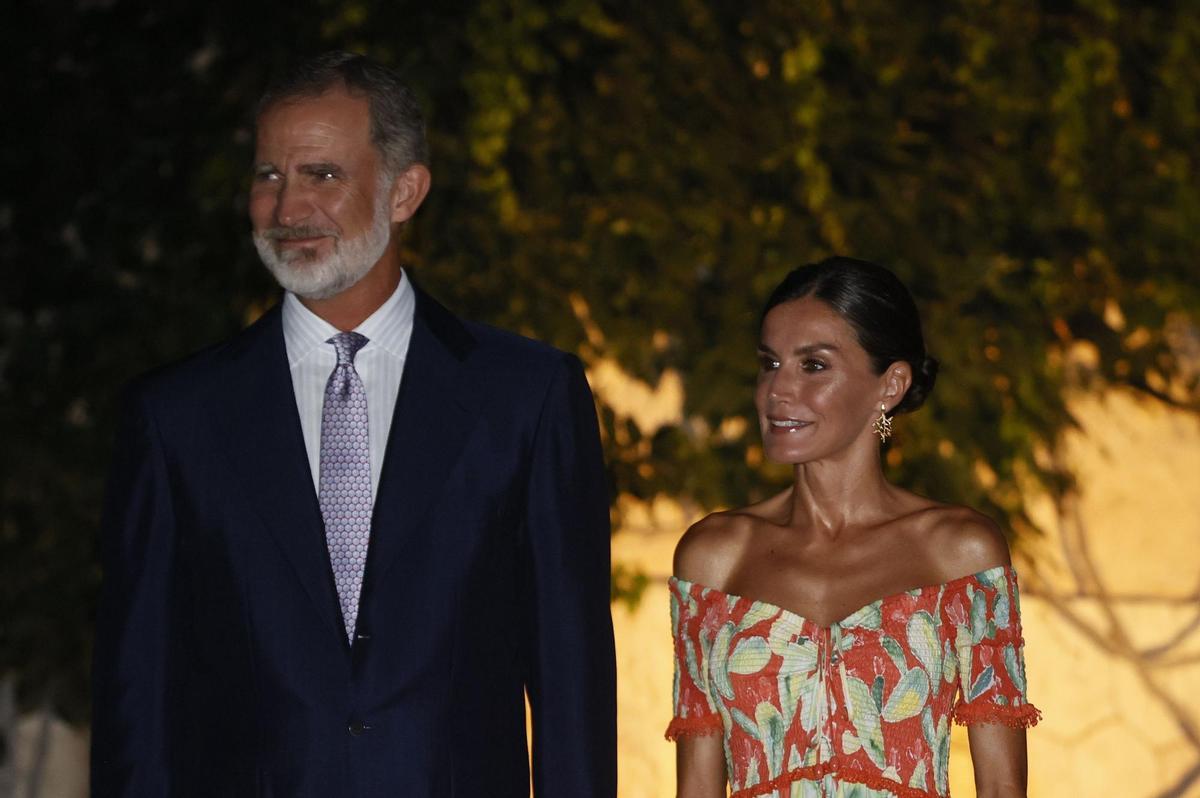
<point x="380" y="364"/>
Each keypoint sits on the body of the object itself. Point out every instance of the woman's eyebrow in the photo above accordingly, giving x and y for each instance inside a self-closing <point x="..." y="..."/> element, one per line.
<point x="807" y="349"/>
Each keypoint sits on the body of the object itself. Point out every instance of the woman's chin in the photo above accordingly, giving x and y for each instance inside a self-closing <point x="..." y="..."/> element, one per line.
<point x="788" y="455"/>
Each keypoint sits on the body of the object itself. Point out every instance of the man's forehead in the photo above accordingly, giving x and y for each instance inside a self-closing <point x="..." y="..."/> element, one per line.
<point x="330" y="119"/>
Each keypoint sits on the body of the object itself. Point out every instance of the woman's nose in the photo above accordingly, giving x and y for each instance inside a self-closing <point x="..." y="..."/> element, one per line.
<point x="782" y="386"/>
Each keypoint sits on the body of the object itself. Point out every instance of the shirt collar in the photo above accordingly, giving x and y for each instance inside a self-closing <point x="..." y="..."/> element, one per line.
<point x="389" y="327"/>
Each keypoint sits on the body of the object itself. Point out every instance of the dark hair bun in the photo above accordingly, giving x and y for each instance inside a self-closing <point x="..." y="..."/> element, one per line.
<point x="877" y="306"/>
<point x="924" y="376"/>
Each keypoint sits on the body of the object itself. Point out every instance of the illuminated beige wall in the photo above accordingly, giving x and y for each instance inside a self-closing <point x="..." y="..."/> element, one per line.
<point x="1111" y="608"/>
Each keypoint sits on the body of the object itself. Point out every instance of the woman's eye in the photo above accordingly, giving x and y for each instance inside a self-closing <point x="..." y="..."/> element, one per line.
<point x="767" y="364"/>
<point x="812" y="364"/>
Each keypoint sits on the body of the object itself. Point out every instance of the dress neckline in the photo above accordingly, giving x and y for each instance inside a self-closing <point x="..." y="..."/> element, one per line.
<point x="879" y="601"/>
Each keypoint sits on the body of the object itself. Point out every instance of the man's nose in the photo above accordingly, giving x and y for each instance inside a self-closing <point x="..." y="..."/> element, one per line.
<point x="293" y="206"/>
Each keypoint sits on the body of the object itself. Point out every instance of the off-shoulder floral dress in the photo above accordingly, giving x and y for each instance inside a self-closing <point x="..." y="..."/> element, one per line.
<point x="858" y="709"/>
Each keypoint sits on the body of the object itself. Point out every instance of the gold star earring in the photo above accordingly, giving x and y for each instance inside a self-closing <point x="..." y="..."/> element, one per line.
<point x="882" y="426"/>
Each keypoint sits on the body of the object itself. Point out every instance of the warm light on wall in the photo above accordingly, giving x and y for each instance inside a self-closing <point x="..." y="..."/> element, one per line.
<point x="1111" y="608"/>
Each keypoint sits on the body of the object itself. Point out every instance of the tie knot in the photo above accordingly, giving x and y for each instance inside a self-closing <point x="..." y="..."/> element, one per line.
<point x="347" y="345"/>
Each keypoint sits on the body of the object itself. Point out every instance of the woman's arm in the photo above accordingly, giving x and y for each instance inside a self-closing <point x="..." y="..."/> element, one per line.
<point x="998" y="754"/>
<point x="968" y="542"/>
<point x="703" y="555"/>
<point x="700" y="767"/>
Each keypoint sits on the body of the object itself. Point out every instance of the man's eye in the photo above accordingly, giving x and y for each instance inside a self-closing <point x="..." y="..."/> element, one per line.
<point x="266" y="177"/>
<point x="326" y="176"/>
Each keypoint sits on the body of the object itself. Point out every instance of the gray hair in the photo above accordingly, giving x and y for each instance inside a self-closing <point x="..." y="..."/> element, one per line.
<point x="397" y="124"/>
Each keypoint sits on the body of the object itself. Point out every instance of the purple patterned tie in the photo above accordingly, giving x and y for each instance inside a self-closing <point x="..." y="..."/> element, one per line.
<point x="345" y="480"/>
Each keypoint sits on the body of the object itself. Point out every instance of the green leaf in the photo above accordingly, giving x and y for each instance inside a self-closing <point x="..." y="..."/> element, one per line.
<point x="1012" y="664"/>
<point x="918" y="780"/>
<point x="1001" y="612"/>
<point x="771" y="731"/>
<point x="864" y="715"/>
<point x="949" y="663"/>
<point x="908" y="697"/>
<point x="752" y="777"/>
<point x="740" y="718"/>
<point x="758" y="612"/>
<point x="810" y="710"/>
<point x="941" y="760"/>
<point x="963" y="653"/>
<point x="798" y="657"/>
<point x="978" y="615"/>
<point x="994" y="578"/>
<point x="718" y="661"/>
<point x="789" y="696"/>
<point x="928" y="729"/>
<point x="923" y="641"/>
<point x="894" y="651"/>
<point x="868" y="617"/>
<point x="750" y="656"/>
<point x="982" y="684"/>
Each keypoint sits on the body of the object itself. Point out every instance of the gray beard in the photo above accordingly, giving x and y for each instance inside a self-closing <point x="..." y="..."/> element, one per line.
<point x="323" y="278"/>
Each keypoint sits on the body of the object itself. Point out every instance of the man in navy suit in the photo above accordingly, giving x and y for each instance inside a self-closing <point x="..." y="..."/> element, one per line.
<point x="343" y="546"/>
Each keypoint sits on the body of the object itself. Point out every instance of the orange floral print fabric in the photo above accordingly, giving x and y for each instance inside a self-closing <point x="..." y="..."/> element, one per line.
<point x="859" y="708"/>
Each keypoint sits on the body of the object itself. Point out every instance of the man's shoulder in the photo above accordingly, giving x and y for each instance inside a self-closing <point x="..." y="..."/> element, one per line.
<point x="522" y="368"/>
<point x="486" y="344"/>
<point x="519" y="348"/>
<point x="185" y="380"/>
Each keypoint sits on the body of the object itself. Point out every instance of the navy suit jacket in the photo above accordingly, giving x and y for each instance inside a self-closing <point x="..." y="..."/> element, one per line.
<point x="222" y="667"/>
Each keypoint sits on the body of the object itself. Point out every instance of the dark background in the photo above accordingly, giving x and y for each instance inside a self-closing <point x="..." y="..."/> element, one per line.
<point x="1030" y="169"/>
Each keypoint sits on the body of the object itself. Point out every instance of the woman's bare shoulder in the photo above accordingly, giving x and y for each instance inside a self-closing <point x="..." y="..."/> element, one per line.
<point x="712" y="547"/>
<point x="962" y="541"/>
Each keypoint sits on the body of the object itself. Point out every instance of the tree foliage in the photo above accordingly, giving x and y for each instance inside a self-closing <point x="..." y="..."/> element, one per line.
<point x="1029" y="169"/>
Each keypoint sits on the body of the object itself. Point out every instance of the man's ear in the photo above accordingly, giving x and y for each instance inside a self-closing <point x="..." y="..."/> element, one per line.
<point x="895" y="382"/>
<point x="408" y="192"/>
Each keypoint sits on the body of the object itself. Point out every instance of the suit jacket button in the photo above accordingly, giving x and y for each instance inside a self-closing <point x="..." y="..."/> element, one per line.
<point x="357" y="727"/>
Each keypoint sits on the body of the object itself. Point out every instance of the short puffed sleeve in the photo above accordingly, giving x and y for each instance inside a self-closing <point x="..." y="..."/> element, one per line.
<point x="986" y="615"/>
<point x="695" y="713"/>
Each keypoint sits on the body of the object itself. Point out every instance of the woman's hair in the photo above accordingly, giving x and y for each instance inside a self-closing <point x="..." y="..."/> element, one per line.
<point x="877" y="307"/>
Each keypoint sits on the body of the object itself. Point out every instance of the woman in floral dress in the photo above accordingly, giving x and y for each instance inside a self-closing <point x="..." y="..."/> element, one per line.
<point x="826" y="638"/>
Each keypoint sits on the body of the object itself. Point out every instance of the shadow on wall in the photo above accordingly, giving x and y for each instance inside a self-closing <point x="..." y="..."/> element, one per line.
<point x="1111" y="606"/>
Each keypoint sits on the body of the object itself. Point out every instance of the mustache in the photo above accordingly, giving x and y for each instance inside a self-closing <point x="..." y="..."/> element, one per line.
<point x="292" y="233"/>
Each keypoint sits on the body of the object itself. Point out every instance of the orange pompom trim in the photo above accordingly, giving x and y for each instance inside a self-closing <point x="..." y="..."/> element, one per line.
<point x="1023" y="716"/>
<point x="694" y="727"/>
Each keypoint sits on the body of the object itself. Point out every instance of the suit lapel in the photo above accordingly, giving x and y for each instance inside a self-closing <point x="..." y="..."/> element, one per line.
<point x="435" y="411"/>
<point x="267" y="448"/>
